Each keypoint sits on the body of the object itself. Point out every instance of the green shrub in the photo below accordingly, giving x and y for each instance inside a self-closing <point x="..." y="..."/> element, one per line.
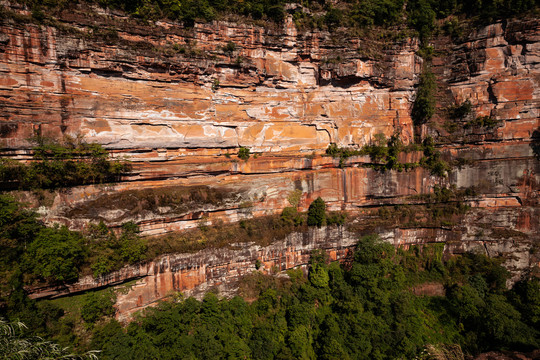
<point x="132" y="247"/>
<point x="424" y="104"/>
<point x="422" y="18"/>
<point x="453" y="28"/>
<point x="432" y="159"/>
<point x="230" y="47"/>
<point x="426" y="52"/>
<point x="55" y="255"/>
<point x="62" y="165"/>
<point x="336" y="218"/>
<point x="290" y="216"/>
<point x="333" y="18"/>
<point x="109" y="252"/>
<point x="97" y="305"/>
<point x="378" y="149"/>
<point x="384" y="153"/>
<point x="317" y="213"/>
<point x="342" y="153"/>
<point x="460" y="111"/>
<point x="244" y="153"/>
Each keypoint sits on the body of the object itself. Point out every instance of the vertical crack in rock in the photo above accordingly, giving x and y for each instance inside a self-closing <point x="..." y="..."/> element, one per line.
<point x="491" y="94"/>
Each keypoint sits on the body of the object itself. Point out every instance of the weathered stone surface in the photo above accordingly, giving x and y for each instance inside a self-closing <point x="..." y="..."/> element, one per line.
<point x="507" y="355"/>
<point x="194" y="274"/>
<point x="180" y="117"/>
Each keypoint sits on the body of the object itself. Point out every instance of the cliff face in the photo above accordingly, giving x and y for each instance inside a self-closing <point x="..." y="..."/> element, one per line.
<point x="210" y="269"/>
<point x="179" y="103"/>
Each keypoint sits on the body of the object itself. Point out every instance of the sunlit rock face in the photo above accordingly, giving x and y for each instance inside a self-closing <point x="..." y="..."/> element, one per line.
<point x="179" y="105"/>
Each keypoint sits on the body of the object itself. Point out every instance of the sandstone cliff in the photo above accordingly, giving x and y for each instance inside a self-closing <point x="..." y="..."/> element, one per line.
<point x="179" y="103"/>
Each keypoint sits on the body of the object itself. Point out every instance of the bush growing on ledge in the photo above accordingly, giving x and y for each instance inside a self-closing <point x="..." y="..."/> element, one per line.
<point x="424" y="105"/>
<point x="336" y="218"/>
<point x="481" y="122"/>
<point x="460" y="111"/>
<point x="58" y="165"/>
<point x="290" y="216"/>
<point x="96" y="305"/>
<point x="109" y="252"/>
<point x="317" y="213"/>
<point x="432" y="159"/>
<point x="384" y="155"/>
<point x="244" y="153"/>
<point x="342" y="153"/>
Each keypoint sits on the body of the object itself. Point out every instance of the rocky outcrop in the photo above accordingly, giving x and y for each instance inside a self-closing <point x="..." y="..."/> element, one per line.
<point x="217" y="269"/>
<point x="179" y="103"/>
<point x="508" y="355"/>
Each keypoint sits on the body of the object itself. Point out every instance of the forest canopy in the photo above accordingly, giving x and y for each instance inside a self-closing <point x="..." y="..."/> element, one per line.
<point x="367" y="308"/>
<point x="420" y="14"/>
<point x="364" y="310"/>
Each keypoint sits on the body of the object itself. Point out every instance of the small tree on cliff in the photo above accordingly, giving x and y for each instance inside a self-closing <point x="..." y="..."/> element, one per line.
<point x="317" y="213"/>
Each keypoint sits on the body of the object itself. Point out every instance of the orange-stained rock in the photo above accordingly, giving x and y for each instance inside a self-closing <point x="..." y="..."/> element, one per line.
<point x="180" y="116"/>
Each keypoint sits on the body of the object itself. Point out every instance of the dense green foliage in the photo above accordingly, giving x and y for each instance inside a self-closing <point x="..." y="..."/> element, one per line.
<point x="421" y="14"/>
<point x="342" y="153"/>
<point x="61" y="165"/>
<point x="110" y="251"/>
<point x="31" y="253"/>
<point x="424" y="104"/>
<point x="244" y="153"/>
<point x="15" y="345"/>
<point x="317" y="213"/>
<point x="290" y="216"/>
<point x="56" y="254"/>
<point x="432" y="159"/>
<point x="97" y="305"/>
<point x="365" y="310"/>
<point x="384" y="154"/>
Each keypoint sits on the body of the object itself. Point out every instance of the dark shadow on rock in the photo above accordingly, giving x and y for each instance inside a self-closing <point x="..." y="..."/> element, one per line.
<point x="535" y="143"/>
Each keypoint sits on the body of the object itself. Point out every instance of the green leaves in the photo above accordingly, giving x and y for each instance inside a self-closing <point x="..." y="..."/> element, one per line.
<point x="57" y="165"/>
<point x="244" y="153"/>
<point x="365" y="310"/>
<point x="55" y="254"/>
<point x="109" y="252"/>
<point x="317" y="213"/>
<point x="14" y="345"/>
<point x="424" y="104"/>
<point x="96" y="305"/>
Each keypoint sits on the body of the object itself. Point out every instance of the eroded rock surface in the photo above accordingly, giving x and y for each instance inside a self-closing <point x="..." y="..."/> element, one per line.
<point x="179" y="106"/>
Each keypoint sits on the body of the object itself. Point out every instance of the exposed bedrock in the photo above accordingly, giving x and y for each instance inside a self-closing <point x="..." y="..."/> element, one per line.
<point x="220" y="269"/>
<point x="177" y="104"/>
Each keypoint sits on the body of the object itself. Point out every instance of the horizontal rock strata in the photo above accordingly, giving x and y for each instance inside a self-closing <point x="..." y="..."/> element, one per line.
<point x="178" y="105"/>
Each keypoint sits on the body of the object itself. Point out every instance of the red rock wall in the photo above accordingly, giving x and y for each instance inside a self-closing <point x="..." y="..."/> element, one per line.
<point x="218" y="269"/>
<point x="286" y="95"/>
